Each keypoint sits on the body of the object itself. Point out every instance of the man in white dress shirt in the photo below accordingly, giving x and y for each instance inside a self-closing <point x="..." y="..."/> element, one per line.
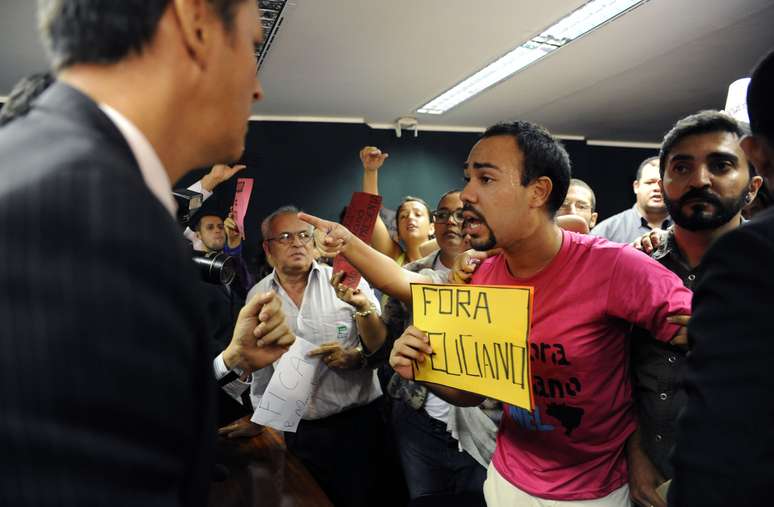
<point x="340" y="436"/>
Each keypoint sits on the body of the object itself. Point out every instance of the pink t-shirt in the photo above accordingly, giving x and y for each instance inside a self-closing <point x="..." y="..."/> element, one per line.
<point x="571" y="447"/>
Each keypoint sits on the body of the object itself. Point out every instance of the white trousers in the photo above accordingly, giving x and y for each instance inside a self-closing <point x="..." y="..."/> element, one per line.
<point x="501" y="493"/>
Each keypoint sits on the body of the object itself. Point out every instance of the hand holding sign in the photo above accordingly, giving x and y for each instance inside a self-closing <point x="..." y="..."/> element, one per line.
<point x="413" y="345"/>
<point x="234" y="235"/>
<point x="360" y="219"/>
<point x="354" y="297"/>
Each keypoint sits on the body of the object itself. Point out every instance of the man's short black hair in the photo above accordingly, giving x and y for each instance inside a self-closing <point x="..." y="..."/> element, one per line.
<point x="643" y="164"/>
<point x="196" y="220"/>
<point x="106" y="31"/>
<point x="760" y="99"/>
<point x="543" y="156"/>
<point x="23" y="95"/>
<point x="703" y="122"/>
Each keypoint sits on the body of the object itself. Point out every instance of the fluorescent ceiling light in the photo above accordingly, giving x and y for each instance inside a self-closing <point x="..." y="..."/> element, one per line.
<point x="583" y="20"/>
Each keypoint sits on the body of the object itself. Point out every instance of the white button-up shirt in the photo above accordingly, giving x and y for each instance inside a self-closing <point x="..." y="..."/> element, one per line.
<point x="322" y="318"/>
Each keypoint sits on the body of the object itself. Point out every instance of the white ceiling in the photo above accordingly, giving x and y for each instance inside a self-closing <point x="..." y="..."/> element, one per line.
<point x="381" y="59"/>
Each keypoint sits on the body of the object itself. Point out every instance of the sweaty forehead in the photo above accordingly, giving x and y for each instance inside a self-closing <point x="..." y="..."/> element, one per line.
<point x="288" y="222"/>
<point x="412" y="206"/>
<point x="578" y="193"/>
<point x="501" y="152"/>
<point x="650" y="172"/>
<point x="210" y="220"/>
<point x="451" y="201"/>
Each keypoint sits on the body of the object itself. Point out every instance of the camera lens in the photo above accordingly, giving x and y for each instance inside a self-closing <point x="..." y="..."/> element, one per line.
<point x="215" y="267"/>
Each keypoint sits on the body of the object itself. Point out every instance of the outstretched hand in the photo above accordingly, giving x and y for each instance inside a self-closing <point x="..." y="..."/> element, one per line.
<point x="218" y="174"/>
<point x="330" y="238"/>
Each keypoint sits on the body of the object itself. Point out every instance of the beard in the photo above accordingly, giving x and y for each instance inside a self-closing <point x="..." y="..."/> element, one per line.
<point x="701" y="220"/>
<point x="479" y="243"/>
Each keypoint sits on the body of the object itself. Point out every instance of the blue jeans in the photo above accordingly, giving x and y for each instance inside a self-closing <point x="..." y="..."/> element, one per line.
<point x="432" y="461"/>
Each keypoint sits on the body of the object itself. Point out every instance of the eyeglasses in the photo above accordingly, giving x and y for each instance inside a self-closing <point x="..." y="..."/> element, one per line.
<point x="286" y="238"/>
<point x="579" y="205"/>
<point x="442" y="215"/>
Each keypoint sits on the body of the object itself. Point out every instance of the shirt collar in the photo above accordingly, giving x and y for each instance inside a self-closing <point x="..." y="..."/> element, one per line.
<point x="152" y="169"/>
<point x="644" y="222"/>
<point x="314" y="269"/>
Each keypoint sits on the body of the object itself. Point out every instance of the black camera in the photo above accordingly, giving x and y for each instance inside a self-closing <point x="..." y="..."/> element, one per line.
<point x="215" y="267"/>
<point x="188" y="203"/>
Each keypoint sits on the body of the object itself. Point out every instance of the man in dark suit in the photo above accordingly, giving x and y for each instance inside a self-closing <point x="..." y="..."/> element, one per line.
<point x="106" y="383"/>
<point x="724" y="452"/>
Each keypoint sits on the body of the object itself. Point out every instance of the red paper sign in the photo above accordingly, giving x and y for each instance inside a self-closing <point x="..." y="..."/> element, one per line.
<point x="244" y="187"/>
<point x="360" y="218"/>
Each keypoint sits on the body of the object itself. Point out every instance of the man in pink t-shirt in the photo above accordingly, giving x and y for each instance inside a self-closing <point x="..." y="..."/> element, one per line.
<point x="571" y="446"/>
<point x="588" y="294"/>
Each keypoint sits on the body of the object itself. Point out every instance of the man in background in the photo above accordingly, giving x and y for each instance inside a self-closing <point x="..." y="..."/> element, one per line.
<point x="580" y="201"/>
<point x="706" y="182"/>
<point x="649" y="211"/>
<point x="724" y="453"/>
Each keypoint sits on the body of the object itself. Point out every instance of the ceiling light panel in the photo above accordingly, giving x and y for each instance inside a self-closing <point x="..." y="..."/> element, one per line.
<point x="581" y="21"/>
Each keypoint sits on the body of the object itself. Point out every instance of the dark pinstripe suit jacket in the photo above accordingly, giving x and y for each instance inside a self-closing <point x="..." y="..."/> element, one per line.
<point x="105" y="383"/>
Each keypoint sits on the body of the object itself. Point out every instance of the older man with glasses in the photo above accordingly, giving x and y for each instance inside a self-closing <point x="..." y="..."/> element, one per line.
<point x="341" y="433"/>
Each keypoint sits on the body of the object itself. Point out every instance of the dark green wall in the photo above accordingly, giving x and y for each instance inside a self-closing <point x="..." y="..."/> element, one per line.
<point x="316" y="167"/>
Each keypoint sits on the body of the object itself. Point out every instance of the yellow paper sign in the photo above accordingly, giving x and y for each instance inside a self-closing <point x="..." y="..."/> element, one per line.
<point x="479" y="339"/>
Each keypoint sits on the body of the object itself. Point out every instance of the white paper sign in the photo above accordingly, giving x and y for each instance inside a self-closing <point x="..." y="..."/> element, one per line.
<point x="290" y="388"/>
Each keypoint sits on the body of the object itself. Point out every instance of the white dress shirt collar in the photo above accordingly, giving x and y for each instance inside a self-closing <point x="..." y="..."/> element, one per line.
<point x="152" y="169"/>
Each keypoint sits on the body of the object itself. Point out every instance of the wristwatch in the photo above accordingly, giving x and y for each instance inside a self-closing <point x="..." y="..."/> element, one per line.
<point x="363" y="359"/>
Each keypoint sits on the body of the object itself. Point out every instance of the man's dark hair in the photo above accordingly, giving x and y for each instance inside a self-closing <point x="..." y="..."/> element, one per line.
<point x="23" y="94"/>
<point x="760" y="99"/>
<point x="106" y="31"/>
<point x="196" y="220"/>
<point x="580" y="183"/>
<point x="543" y="156"/>
<point x="642" y="166"/>
<point x="703" y="122"/>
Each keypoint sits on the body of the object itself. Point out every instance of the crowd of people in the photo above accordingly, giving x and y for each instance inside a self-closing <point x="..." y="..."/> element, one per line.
<point x="649" y="341"/>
